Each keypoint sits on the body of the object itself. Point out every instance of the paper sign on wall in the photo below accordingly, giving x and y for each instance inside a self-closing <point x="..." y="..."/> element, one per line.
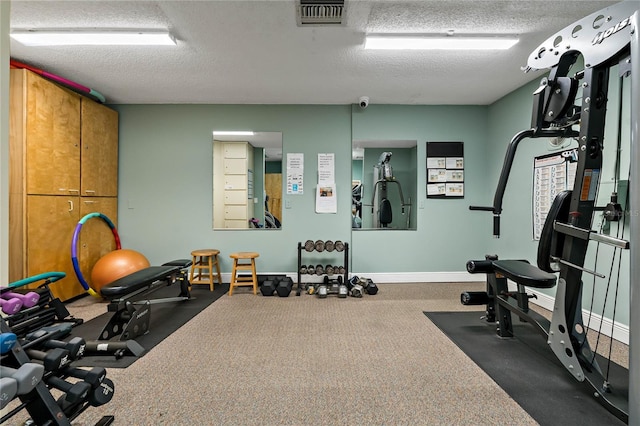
<point x="295" y="173"/>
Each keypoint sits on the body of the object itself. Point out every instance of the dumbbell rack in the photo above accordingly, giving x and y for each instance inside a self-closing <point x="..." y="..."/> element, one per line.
<point x="301" y="249"/>
<point x="39" y="402"/>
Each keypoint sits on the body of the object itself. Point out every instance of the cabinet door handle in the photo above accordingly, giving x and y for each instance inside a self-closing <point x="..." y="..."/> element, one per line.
<point x="90" y="191"/>
<point x="70" y="205"/>
<point x="74" y="190"/>
<point x="89" y="202"/>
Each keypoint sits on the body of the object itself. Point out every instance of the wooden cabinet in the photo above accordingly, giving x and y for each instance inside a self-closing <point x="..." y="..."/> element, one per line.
<point x="99" y="159"/>
<point x="233" y="185"/>
<point x="63" y="159"/>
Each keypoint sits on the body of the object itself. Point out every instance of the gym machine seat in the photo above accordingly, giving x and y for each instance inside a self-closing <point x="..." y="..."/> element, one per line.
<point x="524" y="273"/>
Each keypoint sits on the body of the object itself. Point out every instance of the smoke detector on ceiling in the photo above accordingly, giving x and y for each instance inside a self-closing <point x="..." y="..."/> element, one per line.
<point x="319" y="12"/>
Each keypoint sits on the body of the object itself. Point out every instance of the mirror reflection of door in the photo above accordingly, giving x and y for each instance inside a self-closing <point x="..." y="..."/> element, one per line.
<point x="384" y="184"/>
<point x="247" y="180"/>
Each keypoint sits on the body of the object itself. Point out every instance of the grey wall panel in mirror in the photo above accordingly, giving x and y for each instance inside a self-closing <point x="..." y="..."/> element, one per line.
<point x="247" y="180"/>
<point x="384" y="184"/>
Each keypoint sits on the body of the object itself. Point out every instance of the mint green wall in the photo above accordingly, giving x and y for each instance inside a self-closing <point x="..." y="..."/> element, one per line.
<point x="447" y="234"/>
<point x="165" y="183"/>
<point x="165" y="179"/>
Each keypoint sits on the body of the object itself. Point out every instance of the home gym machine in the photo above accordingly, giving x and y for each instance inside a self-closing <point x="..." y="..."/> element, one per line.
<point x="605" y="39"/>
<point x="380" y="204"/>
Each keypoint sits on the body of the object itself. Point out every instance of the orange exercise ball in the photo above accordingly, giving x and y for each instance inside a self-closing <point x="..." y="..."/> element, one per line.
<point x="116" y="264"/>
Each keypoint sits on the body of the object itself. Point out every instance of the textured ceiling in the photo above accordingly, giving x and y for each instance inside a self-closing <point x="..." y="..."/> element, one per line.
<point x="252" y="52"/>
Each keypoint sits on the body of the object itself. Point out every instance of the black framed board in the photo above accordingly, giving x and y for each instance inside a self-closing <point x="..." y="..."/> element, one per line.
<point x="445" y="170"/>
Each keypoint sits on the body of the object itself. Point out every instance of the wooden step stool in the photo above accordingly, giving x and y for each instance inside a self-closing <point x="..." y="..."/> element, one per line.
<point x="244" y="261"/>
<point x="202" y="267"/>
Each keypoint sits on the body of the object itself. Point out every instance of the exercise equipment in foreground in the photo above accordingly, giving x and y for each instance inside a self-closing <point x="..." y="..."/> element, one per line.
<point x="32" y="381"/>
<point x="129" y="300"/>
<point x="603" y="43"/>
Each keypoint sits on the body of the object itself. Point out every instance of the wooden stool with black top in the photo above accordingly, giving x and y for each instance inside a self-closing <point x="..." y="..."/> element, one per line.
<point x="202" y="267"/>
<point x="244" y="261"/>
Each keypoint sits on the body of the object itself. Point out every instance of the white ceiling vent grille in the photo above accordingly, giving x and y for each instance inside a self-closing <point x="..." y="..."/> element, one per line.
<point x="319" y="12"/>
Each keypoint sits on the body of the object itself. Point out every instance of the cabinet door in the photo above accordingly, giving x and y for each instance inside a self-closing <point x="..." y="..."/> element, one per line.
<point x="50" y="224"/>
<point x="52" y="139"/>
<point x="96" y="238"/>
<point x="99" y="142"/>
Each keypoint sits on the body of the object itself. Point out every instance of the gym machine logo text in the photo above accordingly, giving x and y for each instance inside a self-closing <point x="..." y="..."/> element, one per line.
<point x="601" y="36"/>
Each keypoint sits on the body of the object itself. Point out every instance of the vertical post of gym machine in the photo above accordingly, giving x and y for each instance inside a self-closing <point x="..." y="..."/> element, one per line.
<point x="567" y="335"/>
<point x="634" y="257"/>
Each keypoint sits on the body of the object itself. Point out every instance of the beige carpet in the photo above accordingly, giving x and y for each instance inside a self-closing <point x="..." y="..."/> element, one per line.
<point x="253" y="360"/>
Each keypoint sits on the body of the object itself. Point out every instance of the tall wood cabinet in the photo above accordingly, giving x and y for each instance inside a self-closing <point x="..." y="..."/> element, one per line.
<point x="63" y="159"/>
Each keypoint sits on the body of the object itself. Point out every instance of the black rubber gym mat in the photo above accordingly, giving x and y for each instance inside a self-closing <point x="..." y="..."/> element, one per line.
<point x="165" y="319"/>
<point x="528" y="371"/>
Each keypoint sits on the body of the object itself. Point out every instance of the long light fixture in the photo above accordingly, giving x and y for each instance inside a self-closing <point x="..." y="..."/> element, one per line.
<point x="94" y="37"/>
<point x="438" y="42"/>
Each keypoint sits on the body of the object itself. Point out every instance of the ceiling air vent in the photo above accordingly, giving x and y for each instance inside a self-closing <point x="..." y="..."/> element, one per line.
<point x="319" y="12"/>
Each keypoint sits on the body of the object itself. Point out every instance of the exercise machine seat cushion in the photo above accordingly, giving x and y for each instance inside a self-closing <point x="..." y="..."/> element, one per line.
<point x="386" y="215"/>
<point x="524" y="273"/>
<point x="137" y="280"/>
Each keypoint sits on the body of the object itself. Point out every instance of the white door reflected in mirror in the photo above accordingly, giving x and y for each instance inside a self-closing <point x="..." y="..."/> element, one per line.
<point x="247" y="180"/>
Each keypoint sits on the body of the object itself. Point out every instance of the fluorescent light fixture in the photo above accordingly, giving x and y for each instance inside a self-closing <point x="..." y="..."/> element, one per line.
<point x="232" y="133"/>
<point x="436" y="42"/>
<point x="79" y="37"/>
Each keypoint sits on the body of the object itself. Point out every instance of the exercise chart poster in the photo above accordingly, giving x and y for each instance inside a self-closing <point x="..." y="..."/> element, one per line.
<point x="445" y="170"/>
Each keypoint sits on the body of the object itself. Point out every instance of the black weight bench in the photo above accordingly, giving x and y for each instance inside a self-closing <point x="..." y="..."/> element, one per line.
<point x="128" y="298"/>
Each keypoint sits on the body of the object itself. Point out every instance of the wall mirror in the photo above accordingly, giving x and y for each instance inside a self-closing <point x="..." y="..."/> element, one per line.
<point x="384" y="184"/>
<point x="247" y="180"/>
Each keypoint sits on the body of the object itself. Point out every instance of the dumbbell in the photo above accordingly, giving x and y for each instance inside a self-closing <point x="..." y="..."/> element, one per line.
<point x="102" y="394"/>
<point x="309" y="245"/>
<point x="75" y="346"/>
<point x="284" y="287"/>
<point x="303" y="269"/>
<point x="319" y="245"/>
<point x="329" y="246"/>
<point x="322" y="291"/>
<point x="10" y="306"/>
<point x="371" y="287"/>
<point x="75" y="392"/>
<point x="338" y="245"/>
<point x="268" y="287"/>
<point x="7" y="340"/>
<point x="319" y="269"/>
<point x="29" y="299"/>
<point x="52" y="360"/>
<point x="94" y="377"/>
<point x="356" y="290"/>
<point x="329" y="270"/>
<point x="96" y="397"/>
<point x="8" y="390"/>
<point x="27" y="376"/>
<point x="341" y="270"/>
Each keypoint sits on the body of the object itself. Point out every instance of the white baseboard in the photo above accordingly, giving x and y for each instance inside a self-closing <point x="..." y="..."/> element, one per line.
<point x="420" y="277"/>
<point x="387" y="277"/>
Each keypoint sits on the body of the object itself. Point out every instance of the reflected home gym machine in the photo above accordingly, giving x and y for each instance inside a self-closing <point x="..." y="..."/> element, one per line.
<point x="380" y="204"/>
<point x="605" y="39"/>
